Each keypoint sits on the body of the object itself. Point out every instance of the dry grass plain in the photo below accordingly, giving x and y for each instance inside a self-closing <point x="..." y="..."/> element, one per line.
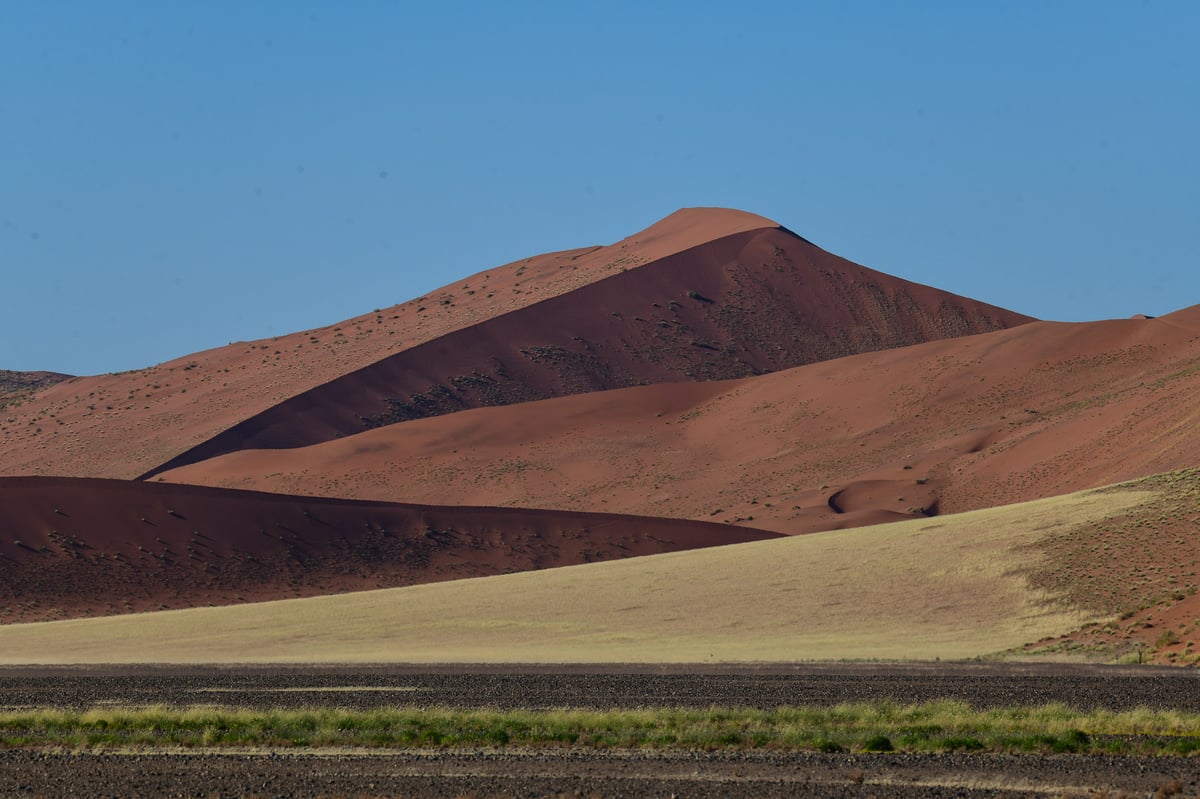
<point x="949" y="587"/>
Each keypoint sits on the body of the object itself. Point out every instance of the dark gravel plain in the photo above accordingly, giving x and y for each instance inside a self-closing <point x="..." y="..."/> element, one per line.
<point x="574" y="772"/>
<point x="600" y="686"/>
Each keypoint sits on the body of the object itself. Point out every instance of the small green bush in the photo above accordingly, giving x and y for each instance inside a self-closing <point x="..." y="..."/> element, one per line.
<point x="878" y="743"/>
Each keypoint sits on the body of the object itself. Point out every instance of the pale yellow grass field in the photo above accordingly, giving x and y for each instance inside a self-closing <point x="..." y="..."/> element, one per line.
<point x="947" y="587"/>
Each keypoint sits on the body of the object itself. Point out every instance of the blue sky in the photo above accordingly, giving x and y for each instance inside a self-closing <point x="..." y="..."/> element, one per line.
<point x="175" y="176"/>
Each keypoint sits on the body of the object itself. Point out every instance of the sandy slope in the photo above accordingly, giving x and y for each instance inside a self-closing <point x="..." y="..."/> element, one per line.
<point x="118" y="425"/>
<point x="553" y="324"/>
<point x="945" y="588"/>
<point x="1033" y="411"/>
<point x="740" y="305"/>
<point x="71" y="546"/>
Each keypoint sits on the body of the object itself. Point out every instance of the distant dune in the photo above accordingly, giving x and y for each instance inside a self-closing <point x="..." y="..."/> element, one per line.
<point x="704" y="294"/>
<point x="1034" y="411"/>
<point x="740" y="305"/>
<point x="87" y="547"/>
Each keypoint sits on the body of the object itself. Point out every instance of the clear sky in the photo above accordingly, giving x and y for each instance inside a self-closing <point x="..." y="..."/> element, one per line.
<point x="176" y="176"/>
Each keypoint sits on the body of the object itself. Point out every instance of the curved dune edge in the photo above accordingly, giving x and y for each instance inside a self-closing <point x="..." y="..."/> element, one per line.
<point x="1030" y="412"/>
<point x="79" y="547"/>
<point x="732" y="307"/>
<point x="951" y="588"/>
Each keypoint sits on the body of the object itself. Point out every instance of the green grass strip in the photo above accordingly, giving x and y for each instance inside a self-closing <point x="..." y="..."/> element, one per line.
<point x="930" y="727"/>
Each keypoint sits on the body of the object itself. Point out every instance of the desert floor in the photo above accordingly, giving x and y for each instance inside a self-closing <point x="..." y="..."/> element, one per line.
<point x="576" y="772"/>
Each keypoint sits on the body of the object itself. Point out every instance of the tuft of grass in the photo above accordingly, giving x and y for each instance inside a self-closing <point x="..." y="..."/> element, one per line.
<point x="942" y="726"/>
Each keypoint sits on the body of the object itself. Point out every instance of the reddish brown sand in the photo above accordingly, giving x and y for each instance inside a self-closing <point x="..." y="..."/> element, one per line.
<point x="703" y="294"/>
<point x="83" y="547"/>
<point x="120" y="425"/>
<point x="1166" y="633"/>
<point x="1034" y="411"/>
<point x="742" y="305"/>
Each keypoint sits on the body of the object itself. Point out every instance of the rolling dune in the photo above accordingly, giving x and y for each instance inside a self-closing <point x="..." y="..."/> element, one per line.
<point x="554" y="324"/>
<point x="1030" y="412"/>
<point x="920" y="589"/>
<point x="85" y="547"/>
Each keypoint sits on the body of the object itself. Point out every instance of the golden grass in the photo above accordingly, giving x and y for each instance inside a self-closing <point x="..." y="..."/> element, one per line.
<point x="949" y="587"/>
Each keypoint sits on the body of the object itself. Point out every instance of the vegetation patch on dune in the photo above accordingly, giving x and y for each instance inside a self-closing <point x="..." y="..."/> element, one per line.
<point x="1139" y="567"/>
<point x="1131" y="559"/>
<point x="940" y="726"/>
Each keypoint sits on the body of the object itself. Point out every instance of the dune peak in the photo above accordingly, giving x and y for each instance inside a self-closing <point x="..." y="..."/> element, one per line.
<point x="699" y="225"/>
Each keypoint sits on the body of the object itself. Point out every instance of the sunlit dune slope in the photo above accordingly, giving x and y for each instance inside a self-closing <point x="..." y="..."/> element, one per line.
<point x="120" y="425"/>
<point x="1030" y="412"/>
<point x="738" y="305"/>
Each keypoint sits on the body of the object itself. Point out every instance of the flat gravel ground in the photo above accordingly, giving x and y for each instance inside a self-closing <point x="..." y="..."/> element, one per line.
<point x="587" y="773"/>
<point x="603" y="686"/>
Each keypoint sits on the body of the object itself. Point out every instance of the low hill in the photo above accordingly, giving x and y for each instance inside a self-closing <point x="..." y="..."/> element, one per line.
<point x="84" y="547"/>
<point x="1030" y="412"/>
<point x="961" y="586"/>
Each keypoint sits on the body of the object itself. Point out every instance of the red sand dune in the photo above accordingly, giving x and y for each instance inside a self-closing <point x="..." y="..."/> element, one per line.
<point x="1034" y="411"/>
<point x="741" y="305"/>
<point x="84" y="547"/>
<point x="122" y="424"/>
<point x="704" y="294"/>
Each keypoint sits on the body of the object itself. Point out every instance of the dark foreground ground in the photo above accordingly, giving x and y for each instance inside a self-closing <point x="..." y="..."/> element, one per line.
<point x="525" y="773"/>
<point x="600" y="686"/>
<point x="576" y="773"/>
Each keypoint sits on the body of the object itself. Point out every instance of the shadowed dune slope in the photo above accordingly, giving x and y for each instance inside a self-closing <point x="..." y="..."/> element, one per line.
<point x="922" y="589"/>
<point x="743" y="304"/>
<point x="1034" y="411"/>
<point x="123" y="424"/>
<point x="84" y="547"/>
